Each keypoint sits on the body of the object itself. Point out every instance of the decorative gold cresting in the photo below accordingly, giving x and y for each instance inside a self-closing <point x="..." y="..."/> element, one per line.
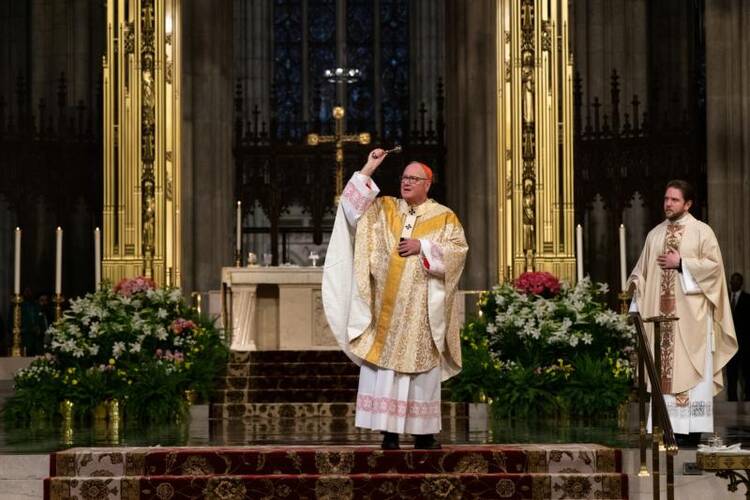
<point x="535" y="140"/>
<point x="142" y="136"/>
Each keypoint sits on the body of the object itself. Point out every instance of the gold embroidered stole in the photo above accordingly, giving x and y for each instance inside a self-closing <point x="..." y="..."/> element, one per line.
<point x="396" y="264"/>
<point x="667" y="304"/>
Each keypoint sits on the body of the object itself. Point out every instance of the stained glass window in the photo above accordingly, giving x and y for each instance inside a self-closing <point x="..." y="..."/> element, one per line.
<point x="321" y="43"/>
<point x="376" y="42"/>
<point x="360" y="54"/>
<point x="394" y="67"/>
<point x="287" y="67"/>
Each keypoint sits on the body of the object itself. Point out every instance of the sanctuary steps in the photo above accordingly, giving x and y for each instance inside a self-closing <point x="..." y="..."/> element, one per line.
<point x="343" y="472"/>
<point x="268" y="397"/>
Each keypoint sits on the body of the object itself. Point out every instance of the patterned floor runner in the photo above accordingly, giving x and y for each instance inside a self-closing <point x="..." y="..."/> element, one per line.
<point x="346" y="472"/>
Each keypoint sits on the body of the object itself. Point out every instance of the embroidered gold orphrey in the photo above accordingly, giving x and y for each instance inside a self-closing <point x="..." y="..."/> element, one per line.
<point x="667" y="308"/>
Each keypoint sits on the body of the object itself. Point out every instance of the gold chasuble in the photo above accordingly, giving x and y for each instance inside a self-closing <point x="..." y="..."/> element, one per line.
<point x="394" y="312"/>
<point x="697" y="296"/>
<point x="399" y="336"/>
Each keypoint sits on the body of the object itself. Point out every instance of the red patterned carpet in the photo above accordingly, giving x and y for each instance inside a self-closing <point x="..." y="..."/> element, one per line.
<point x="456" y="472"/>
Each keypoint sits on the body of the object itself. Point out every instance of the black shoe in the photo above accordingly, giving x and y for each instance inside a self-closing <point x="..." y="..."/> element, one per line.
<point x="390" y="441"/>
<point x="426" y="442"/>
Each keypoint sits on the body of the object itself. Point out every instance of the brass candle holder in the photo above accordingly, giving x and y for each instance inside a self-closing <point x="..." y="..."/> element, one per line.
<point x="237" y="257"/>
<point x="66" y="429"/>
<point x="197" y="302"/>
<point x="58" y="300"/>
<point x="114" y="418"/>
<point x="17" y="348"/>
<point x="624" y="297"/>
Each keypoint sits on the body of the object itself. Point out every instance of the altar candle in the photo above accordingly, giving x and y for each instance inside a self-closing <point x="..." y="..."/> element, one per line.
<point x="17" y="266"/>
<point x="579" y="252"/>
<point x="97" y="257"/>
<point x="239" y="226"/>
<point x="623" y="264"/>
<point x="58" y="262"/>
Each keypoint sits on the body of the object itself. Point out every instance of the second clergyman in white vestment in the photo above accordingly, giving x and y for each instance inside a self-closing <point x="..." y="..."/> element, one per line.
<point x="680" y="273"/>
<point x="391" y="273"/>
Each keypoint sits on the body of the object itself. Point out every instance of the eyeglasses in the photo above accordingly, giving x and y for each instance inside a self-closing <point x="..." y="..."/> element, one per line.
<point x="410" y="179"/>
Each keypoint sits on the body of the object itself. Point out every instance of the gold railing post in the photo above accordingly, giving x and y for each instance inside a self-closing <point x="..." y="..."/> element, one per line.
<point x="643" y="439"/>
<point x="661" y="425"/>
<point x="670" y="476"/>
<point x="656" y="431"/>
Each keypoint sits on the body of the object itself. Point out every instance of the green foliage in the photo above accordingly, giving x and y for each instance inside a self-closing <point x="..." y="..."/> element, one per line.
<point x="139" y="345"/>
<point x="546" y="354"/>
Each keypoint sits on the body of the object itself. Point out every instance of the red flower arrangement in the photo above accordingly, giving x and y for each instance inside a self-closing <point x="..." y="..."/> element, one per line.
<point x="128" y="286"/>
<point x="181" y="324"/>
<point x="538" y="283"/>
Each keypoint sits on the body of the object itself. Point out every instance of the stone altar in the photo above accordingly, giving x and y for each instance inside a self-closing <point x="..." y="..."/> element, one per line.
<point x="277" y="308"/>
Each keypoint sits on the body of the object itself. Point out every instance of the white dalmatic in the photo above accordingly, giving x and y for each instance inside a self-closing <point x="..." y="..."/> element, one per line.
<point x="697" y="415"/>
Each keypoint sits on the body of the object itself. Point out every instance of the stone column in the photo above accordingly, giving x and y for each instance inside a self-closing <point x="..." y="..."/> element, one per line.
<point x="14" y="49"/>
<point x="427" y="57"/>
<point x="727" y="120"/>
<point x="252" y="55"/>
<point x="208" y="165"/>
<point x="66" y="37"/>
<point x="471" y="133"/>
<point x="611" y="35"/>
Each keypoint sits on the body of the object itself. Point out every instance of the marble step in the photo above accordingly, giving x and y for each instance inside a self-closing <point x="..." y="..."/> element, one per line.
<point x="290" y="369"/>
<point x="290" y="382"/>
<point x="317" y="429"/>
<point x="286" y="396"/>
<point x="383" y="486"/>
<point x="254" y="357"/>
<point x="290" y="395"/>
<point x="344" y="434"/>
<point x="292" y="460"/>
<point x="231" y="411"/>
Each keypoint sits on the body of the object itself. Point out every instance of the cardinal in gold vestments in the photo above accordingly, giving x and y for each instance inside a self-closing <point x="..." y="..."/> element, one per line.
<point x="680" y="273"/>
<point x="391" y="274"/>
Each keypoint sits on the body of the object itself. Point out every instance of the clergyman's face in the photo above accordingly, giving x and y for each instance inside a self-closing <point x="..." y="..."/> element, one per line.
<point x="414" y="191"/>
<point x="674" y="204"/>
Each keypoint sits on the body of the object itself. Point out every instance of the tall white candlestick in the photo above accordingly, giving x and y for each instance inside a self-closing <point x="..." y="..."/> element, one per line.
<point x="579" y="252"/>
<point x="623" y="264"/>
<point x="17" y="264"/>
<point x="239" y="226"/>
<point x="58" y="262"/>
<point x="97" y="257"/>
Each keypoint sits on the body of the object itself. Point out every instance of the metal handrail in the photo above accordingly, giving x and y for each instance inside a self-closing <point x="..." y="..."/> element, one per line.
<point x="661" y="425"/>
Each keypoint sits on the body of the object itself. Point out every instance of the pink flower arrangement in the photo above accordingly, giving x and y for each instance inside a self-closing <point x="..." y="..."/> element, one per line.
<point x="538" y="283"/>
<point x="129" y="286"/>
<point x="180" y="324"/>
<point x="176" y="356"/>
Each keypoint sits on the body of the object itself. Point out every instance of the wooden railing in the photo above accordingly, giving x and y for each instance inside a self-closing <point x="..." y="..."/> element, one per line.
<point x="662" y="432"/>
